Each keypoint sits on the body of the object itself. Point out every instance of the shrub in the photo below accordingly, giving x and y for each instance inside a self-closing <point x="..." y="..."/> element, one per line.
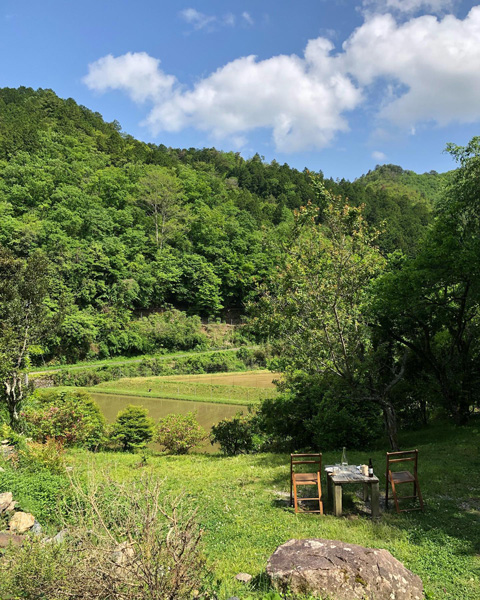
<point x="180" y="433"/>
<point x="171" y="330"/>
<point x="49" y="455"/>
<point x="123" y="542"/>
<point x="70" y="416"/>
<point x="319" y="414"/>
<point x="133" y="428"/>
<point x="235" y="435"/>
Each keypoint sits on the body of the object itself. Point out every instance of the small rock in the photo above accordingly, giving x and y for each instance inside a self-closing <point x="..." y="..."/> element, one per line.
<point x="6" y="500"/>
<point x="2" y="470"/>
<point x="59" y="538"/>
<point x="243" y="577"/>
<point x="36" y="528"/>
<point x="123" y="554"/>
<point x="10" y="538"/>
<point x="5" y="442"/>
<point x="11" y="506"/>
<point x="21" y="522"/>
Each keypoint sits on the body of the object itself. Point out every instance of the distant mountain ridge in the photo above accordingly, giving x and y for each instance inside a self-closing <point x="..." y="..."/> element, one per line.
<point x="425" y="187"/>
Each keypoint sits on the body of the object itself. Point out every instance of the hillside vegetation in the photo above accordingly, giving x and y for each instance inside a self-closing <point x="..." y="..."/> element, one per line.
<point x="130" y="228"/>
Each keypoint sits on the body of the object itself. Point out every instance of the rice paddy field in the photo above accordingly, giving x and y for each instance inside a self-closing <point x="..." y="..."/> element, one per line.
<point x="241" y="388"/>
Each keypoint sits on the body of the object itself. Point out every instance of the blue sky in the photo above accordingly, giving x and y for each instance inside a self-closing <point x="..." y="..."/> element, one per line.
<point x="332" y="85"/>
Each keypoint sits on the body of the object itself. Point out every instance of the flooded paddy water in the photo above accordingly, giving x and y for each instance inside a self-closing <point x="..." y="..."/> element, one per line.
<point x="239" y="386"/>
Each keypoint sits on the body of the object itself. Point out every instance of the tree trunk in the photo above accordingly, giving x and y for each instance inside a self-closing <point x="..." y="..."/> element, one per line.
<point x="390" y="419"/>
<point x="13" y="397"/>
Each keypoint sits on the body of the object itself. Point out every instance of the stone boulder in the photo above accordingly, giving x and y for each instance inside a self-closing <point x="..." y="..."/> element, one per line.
<point x="6" y="500"/>
<point x="21" y="522"/>
<point x="341" y="571"/>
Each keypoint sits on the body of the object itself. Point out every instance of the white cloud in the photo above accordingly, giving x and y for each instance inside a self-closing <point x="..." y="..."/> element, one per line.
<point x="137" y="74"/>
<point x="434" y="61"/>
<point x="428" y="69"/>
<point x="229" y="19"/>
<point x="196" y="18"/>
<point x="377" y="155"/>
<point x="300" y="100"/>
<point x="410" y="6"/>
<point x="247" y="17"/>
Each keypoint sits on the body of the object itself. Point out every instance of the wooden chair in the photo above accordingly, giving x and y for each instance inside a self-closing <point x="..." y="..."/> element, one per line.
<point x="395" y="478"/>
<point x="299" y="478"/>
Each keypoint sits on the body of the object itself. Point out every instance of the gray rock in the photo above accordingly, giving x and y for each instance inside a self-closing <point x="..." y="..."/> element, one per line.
<point x="36" y="528"/>
<point x="59" y="538"/>
<point x="243" y="577"/>
<point x="341" y="571"/>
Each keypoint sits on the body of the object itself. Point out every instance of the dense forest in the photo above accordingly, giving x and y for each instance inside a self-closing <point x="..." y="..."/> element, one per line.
<point x="129" y="228"/>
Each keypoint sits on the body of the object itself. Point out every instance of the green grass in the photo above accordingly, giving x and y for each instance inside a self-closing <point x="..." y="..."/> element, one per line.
<point x="162" y="387"/>
<point x="243" y="508"/>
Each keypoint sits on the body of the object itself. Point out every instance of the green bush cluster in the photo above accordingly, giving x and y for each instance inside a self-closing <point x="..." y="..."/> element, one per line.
<point x="238" y="435"/>
<point x="58" y="418"/>
<point x="67" y="415"/>
<point x="177" y="433"/>
<point x="180" y="433"/>
<point x="319" y="414"/>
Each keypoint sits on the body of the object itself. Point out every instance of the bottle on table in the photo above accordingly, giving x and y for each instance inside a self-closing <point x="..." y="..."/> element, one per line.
<point x="344" y="457"/>
<point x="370" y="468"/>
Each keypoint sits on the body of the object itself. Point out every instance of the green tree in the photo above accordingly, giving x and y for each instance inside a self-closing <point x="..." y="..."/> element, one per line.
<point x="133" y="428"/>
<point x="24" y="318"/>
<point x="430" y="304"/>
<point x="160" y="193"/>
<point x="315" y="306"/>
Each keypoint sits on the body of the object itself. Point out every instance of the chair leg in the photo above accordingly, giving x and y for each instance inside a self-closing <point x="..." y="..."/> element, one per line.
<point x="418" y="492"/>
<point x="394" y="492"/>
<point x="386" y="491"/>
<point x="320" y="501"/>
<point x="295" y="495"/>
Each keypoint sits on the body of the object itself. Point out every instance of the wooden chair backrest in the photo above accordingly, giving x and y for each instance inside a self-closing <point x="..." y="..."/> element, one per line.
<point x="402" y="457"/>
<point x="305" y="459"/>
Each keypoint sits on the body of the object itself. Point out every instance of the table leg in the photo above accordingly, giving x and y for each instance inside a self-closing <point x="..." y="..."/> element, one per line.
<point x="365" y="491"/>
<point x="375" y="492"/>
<point x="337" y="500"/>
<point x="329" y="488"/>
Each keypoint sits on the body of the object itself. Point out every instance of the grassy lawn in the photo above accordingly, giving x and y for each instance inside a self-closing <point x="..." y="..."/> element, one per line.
<point x="225" y="388"/>
<point x="243" y="507"/>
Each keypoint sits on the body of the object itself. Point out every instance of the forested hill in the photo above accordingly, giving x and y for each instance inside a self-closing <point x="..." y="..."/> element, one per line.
<point x="129" y="228"/>
<point x="426" y="188"/>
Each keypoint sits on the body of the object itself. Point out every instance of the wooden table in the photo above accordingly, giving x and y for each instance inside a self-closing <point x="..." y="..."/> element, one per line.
<point x="340" y="478"/>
